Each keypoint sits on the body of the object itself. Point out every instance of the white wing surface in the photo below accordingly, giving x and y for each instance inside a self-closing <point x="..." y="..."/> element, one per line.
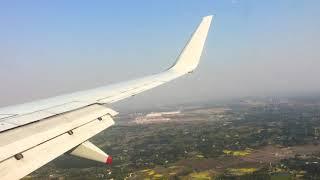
<point x="35" y="133"/>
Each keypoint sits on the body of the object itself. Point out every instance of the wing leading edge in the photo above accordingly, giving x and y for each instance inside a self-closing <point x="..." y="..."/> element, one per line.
<point x="25" y="129"/>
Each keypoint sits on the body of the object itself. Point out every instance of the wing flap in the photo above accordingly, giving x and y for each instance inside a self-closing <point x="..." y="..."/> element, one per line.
<point x="18" y="140"/>
<point x="39" y="155"/>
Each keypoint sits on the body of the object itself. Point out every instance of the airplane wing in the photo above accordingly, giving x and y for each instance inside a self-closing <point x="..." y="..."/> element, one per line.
<point x="33" y="134"/>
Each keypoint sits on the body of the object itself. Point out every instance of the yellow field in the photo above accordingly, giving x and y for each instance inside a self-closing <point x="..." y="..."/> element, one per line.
<point x="237" y="153"/>
<point x="200" y="175"/>
<point x="241" y="171"/>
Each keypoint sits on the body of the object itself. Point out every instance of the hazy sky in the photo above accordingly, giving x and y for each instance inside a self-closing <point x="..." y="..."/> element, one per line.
<point x="254" y="47"/>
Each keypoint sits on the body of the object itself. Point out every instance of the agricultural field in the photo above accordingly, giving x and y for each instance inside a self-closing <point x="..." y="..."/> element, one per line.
<point x="238" y="140"/>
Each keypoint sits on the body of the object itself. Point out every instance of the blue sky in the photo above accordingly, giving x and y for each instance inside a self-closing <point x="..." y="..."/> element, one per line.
<point x="254" y="47"/>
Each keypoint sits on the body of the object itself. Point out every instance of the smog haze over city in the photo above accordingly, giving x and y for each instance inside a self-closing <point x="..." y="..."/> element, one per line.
<point x="251" y="110"/>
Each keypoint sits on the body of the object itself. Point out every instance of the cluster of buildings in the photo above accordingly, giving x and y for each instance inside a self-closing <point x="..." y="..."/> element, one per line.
<point x="156" y="117"/>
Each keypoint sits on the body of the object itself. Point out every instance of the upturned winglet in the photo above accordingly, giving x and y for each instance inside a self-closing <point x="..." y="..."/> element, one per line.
<point x="189" y="58"/>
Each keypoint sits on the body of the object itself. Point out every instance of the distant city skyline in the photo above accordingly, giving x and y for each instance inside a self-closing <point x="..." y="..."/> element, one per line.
<point x="254" y="48"/>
